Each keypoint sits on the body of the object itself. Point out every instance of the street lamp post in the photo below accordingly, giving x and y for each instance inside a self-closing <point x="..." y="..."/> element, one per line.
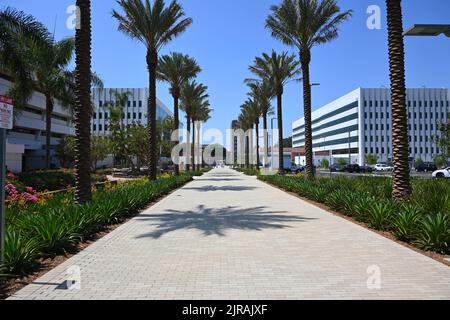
<point x="428" y="30"/>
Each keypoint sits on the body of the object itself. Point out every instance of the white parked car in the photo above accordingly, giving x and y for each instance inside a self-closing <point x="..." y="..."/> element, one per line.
<point x="383" y="167"/>
<point x="443" y="173"/>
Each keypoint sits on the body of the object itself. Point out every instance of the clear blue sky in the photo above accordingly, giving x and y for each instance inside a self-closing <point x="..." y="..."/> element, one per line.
<point x="227" y="34"/>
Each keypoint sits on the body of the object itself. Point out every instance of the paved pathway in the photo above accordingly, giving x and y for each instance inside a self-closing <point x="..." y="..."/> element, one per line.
<point x="229" y="236"/>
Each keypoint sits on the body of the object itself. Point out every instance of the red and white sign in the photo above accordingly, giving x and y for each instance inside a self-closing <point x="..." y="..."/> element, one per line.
<point x="6" y="112"/>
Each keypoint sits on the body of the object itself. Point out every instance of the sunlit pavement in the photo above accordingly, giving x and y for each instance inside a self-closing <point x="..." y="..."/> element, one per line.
<point x="230" y="236"/>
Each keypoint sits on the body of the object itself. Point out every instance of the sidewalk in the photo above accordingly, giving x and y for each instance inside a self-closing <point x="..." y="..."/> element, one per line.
<point x="230" y="236"/>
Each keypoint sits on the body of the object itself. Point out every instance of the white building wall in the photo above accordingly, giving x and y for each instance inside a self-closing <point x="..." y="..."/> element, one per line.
<point x="28" y="134"/>
<point x="370" y="130"/>
<point x="135" y="110"/>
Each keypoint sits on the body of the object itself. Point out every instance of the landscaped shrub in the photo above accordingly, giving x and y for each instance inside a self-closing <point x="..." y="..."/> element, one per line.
<point x="20" y="252"/>
<point x="380" y="215"/>
<point x="51" y="180"/>
<point x="51" y="226"/>
<point x="424" y="220"/>
<point x="435" y="233"/>
<point x="249" y="171"/>
<point x="406" y="222"/>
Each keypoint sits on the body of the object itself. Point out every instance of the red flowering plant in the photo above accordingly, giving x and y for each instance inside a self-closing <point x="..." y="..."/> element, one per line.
<point x="17" y="192"/>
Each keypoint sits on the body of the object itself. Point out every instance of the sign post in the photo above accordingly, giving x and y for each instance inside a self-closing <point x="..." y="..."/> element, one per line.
<point x="6" y="122"/>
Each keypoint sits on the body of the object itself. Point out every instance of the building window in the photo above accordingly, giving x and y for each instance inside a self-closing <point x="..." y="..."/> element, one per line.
<point x="414" y="104"/>
<point x="387" y="127"/>
<point x="140" y="115"/>
<point x="420" y="104"/>
<point x="134" y="104"/>
<point x="95" y="127"/>
<point x="100" y="115"/>
<point x="95" y="115"/>
<point x="129" y="104"/>
<point x="134" y="115"/>
<point x="128" y="115"/>
<point x="387" y="103"/>
<point x="106" y="115"/>
<point x="370" y="103"/>
<point x="100" y="103"/>
<point x="140" y="103"/>
<point x="99" y="127"/>
<point x="376" y="103"/>
<point x="106" y="127"/>
<point x="365" y="103"/>
<point x="381" y="102"/>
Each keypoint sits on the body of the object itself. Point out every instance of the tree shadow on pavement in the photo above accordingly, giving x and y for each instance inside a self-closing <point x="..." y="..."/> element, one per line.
<point x="216" y="221"/>
<point x="221" y="188"/>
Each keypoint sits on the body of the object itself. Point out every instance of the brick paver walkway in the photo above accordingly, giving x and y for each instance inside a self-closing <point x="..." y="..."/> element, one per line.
<point x="228" y="236"/>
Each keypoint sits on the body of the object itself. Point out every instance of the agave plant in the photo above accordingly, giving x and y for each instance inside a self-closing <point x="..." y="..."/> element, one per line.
<point x="405" y="225"/>
<point x="434" y="233"/>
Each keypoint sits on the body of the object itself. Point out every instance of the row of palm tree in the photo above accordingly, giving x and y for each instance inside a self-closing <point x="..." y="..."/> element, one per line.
<point x="155" y="26"/>
<point x="304" y="24"/>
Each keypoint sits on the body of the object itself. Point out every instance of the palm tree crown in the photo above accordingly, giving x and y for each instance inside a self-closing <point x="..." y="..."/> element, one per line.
<point x="276" y="69"/>
<point x="154" y="26"/>
<point x="176" y="69"/>
<point x="306" y="23"/>
<point x="17" y="31"/>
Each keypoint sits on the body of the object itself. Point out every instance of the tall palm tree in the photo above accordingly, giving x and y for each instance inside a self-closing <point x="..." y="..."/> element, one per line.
<point x="276" y="69"/>
<point x="245" y="122"/>
<point x="192" y="94"/>
<point x="305" y="24"/>
<point x="52" y="79"/>
<point x="200" y="113"/>
<point x="83" y="106"/>
<point x="176" y="69"/>
<point x="17" y="31"/>
<point x="252" y="112"/>
<point x="155" y="26"/>
<point x="262" y="93"/>
<point x="401" y="180"/>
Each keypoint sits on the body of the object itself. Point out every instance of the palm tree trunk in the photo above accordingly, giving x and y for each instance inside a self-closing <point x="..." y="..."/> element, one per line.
<point x="305" y="59"/>
<point x="188" y="139"/>
<point x="401" y="189"/>
<point x="193" y="146"/>
<point x="280" y="132"/>
<point x="257" y="145"/>
<point x="152" y="62"/>
<point x="48" y="130"/>
<point x="83" y="192"/>
<point x="266" y="139"/>
<point x="247" y="151"/>
<point x="176" y="126"/>
<point x="199" y="147"/>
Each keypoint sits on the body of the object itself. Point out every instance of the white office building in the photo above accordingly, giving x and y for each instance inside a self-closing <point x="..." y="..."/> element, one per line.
<point x="25" y="143"/>
<point x="360" y="123"/>
<point x="135" y="111"/>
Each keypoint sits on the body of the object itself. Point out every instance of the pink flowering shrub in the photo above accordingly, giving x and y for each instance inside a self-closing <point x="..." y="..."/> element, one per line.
<point x="28" y="196"/>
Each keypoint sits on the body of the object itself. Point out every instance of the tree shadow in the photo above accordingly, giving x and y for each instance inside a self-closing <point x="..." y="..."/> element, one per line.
<point x="219" y="179"/>
<point x="221" y="188"/>
<point x="216" y="221"/>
